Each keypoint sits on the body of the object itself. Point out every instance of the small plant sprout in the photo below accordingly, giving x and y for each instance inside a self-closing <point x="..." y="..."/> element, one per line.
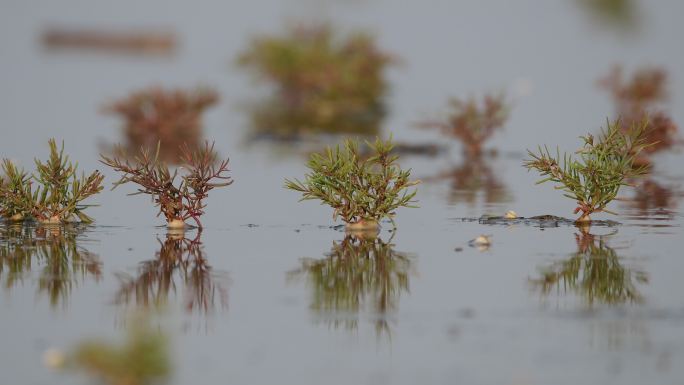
<point x="604" y="165"/>
<point x="59" y="194"/>
<point x="473" y="123"/>
<point x="200" y="172"/>
<point x="361" y="191"/>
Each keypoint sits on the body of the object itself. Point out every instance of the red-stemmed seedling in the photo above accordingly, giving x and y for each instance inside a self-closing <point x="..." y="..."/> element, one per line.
<point x="200" y="172"/>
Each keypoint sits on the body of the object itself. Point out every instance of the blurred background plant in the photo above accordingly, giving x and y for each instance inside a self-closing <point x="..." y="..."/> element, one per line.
<point x="471" y="122"/>
<point x="134" y="42"/>
<point x="180" y="263"/>
<point x="59" y="194"/>
<point x="142" y="359"/>
<point x="357" y="275"/>
<point x="172" y="117"/>
<point x="640" y="98"/>
<point x="623" y="14"/>
<point x="53" y="253"/>
<point x="324" y="81"/>
<point x="595" y="273"/>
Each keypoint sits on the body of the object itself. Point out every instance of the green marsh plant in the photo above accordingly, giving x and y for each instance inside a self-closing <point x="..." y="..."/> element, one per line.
<point x="200" y="172"/>
<point x="180" y="263"/>
<point x="361" y="190"/>
<point x="603" y="165"/>
<point x="53" y="194"/>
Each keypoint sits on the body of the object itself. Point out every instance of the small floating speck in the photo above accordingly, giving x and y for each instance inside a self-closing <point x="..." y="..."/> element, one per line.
<point x="482" y="242"/>
<point x="54" y="358"/>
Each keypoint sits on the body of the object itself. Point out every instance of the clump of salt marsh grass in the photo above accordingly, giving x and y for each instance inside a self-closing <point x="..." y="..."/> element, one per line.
<point x="59" y="193"/>
<point x="603" y="166"/>
<point x="200" y="172"/>
<point x="361" y="191"/>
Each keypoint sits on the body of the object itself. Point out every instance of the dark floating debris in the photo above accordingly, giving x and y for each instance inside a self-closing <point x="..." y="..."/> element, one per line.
<point x="537" y="221"/>
<point x="132" y="42"/>
<point x="427" y="149"/>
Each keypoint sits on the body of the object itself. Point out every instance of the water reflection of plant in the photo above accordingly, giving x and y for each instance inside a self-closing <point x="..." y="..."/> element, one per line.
<point x="325" y="82"/>
<point x="179" y="262"/>
<point x="356" y="275"/>
<point x="470" y="179"/>
<point x="54" y="251"/>
<point x="594" y="272"/>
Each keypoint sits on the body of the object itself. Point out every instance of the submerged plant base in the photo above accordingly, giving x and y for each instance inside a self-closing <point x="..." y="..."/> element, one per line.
<point x="585" y="218"/>
<point x="176" y="224"/>
<point x="362" y="225"/>
<point x="53" y="220"/>
<point x="363" y="229"/>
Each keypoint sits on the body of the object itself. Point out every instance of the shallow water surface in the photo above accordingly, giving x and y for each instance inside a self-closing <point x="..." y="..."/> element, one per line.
<point x="271" y="291"/>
